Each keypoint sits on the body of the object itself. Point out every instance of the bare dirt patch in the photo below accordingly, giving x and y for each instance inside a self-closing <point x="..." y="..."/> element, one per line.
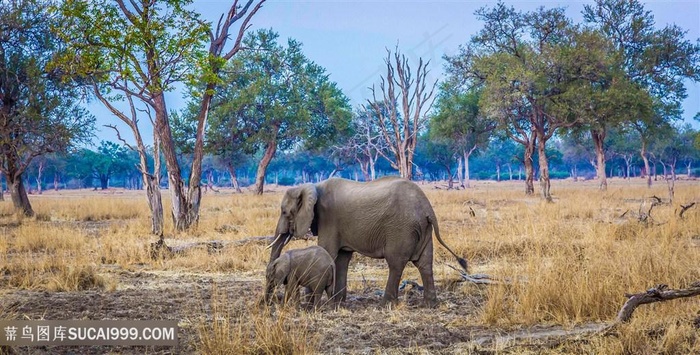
<point x="362" y="325"/>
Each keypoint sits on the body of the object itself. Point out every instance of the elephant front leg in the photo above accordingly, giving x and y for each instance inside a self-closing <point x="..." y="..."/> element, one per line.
<point x="391" y="292"/>
<point x="291" y="292"/>
<point x="341" y="275"/>
<point x="270" y="288"/>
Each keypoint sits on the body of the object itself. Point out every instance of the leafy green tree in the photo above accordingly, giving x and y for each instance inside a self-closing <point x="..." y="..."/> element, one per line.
<point x="689" y="152"/>
<point x="134" y="53"/>
<point x="657" y="60"/>
<point x="78" y="166"/>
<point x="604" y="98"/>
<point x="39" y="113"/>
<point x="500" y="153"/>
<point x="522" y="61"/>
<point x="624" y="144"/>
<point x="440" y="151"/>
<point x="110" y="159"/>
<point x="274" y="98"/>
<point x="672" y="146"/>
<point x="458" y="119"/>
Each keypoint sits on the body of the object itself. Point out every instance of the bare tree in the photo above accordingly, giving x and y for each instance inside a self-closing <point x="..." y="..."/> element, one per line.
<point x="366" y="144"/>
<point x="151" y="178"/>
<point x="141" y="50"/>
<point x="401" y="113"/>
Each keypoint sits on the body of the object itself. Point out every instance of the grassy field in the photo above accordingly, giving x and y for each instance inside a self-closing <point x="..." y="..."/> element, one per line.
<point x="85" y="256"/>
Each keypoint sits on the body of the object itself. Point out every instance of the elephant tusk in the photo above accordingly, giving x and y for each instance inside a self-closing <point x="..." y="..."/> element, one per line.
<point x="274" y="241"/>
<point x="289" y="237"/>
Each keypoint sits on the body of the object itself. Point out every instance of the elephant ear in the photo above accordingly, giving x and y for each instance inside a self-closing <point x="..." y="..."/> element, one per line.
<point x="305" y="212"/>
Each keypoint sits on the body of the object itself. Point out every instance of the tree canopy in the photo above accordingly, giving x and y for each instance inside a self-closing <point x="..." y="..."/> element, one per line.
<point x="40" y="112"/>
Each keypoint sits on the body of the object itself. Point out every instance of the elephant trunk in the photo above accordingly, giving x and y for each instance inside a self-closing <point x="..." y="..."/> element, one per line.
<point x="277" y="245"/>
<point x="282" y="236"/>
<point x="269" y="282"/>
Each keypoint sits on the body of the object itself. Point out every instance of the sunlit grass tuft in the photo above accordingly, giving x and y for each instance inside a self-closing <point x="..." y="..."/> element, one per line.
<point x="253" y="329"/>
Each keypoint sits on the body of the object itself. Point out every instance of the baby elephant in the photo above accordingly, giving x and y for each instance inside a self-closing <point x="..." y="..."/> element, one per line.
<point x="312" y="268"/>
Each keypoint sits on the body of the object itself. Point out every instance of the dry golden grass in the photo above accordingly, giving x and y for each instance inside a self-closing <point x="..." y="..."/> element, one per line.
<point x="253" y="329"/>
<point x="570" y="261"/>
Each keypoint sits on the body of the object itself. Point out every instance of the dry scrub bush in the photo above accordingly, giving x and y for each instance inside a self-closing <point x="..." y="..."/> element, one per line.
<point x="247" y="328"/>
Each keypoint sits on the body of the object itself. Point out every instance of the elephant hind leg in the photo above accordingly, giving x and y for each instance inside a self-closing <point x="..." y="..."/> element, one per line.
<point x="425" y="267"/>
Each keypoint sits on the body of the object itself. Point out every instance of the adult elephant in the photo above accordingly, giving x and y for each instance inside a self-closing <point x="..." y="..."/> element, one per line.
<point x="389" y="218"/>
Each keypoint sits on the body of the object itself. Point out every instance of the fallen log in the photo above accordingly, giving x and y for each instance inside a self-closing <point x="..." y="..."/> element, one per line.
<point x="658" y="293"/>
<point x="479" y="279"/>
<point x="159" y="249"/>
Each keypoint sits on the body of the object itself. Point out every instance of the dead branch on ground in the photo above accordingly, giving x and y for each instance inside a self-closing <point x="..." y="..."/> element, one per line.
<point x="644" y="216"/>
<point x="684" y="208"/>
<point x="160" y="250"/>
<point x="658" y="293"/>
<point x="479" y="279"/>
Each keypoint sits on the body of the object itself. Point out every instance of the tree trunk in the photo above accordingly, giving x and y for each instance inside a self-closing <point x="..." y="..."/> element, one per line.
<point x="155" y="204"/>
<point x="234" y="178"/>
<point x="466" y="167"/>
<point x="450" y="183"/>
<point x="20" y="200"/>
<point x="628" y="163"/>
<point x="663" y="166"/>
<point x="182" y="218"/>
<point x="498" y="172"/>
<point x="460" y="174"/>
<point x="687" y="167"/>
<point x="510" y="172"/>
<point x="262" y="166"/>
<point x="544" y="170"/>
<point x="529" y="170"/>
<point x="40" y="170"/>
<point x="2" y="190"/>
<point x="643" y="153"/>
<point x="152" y="182"/>
<point x="672" y="167"/>
<point x="402" y="161"/>
<point x="672" y="181"/>
<point x="598" y="141"/>
<point x="104" y="182"/>
<point x="56" y="181"/>
<point x="364" y="167"/>
<point x="372" y="172"/>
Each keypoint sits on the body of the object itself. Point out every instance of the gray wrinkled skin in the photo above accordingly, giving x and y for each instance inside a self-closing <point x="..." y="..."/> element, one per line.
<point x="389" y="218"/>
<point x="312" y="268"/>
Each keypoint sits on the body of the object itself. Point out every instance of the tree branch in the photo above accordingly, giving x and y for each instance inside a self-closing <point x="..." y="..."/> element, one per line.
<point x="119" y="136"/>
<point x="658" y="293"/>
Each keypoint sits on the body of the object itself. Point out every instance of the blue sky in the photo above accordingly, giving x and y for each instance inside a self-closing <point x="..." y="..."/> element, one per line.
<point x="349" y="38"/>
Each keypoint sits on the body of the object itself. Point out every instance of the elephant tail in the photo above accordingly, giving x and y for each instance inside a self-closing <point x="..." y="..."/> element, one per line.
<point x="462" y="262"/>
